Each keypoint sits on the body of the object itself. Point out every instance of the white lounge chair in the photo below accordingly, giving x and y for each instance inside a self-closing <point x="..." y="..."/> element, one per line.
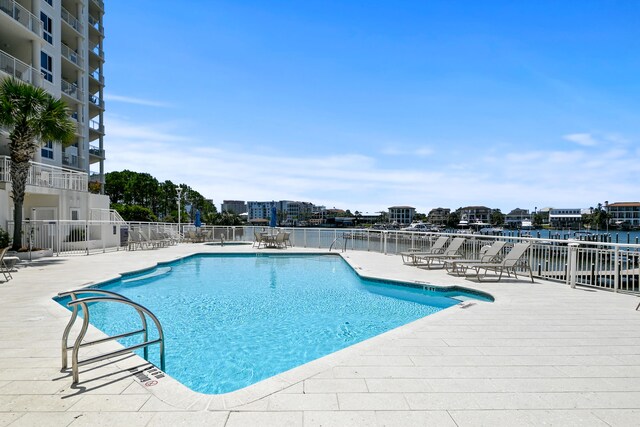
<point x="410" y="257"/>
<point x="431" y="260"/>
<point x="488" y="254"/>
<point x="6" y="271"/>
<point x="508" y="265"/>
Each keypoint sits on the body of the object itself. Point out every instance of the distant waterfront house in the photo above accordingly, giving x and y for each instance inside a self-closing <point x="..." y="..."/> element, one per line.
<point x="624" y="213"/>
<point x="565" y="217"/>
<point x="472" y="214"/>
<point x="402" y="215"/>
<point x="516" y="217"/>
<point x="438" y="216"/>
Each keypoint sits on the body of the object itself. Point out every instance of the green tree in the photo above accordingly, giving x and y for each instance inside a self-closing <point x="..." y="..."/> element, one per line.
<point x="32" y="116"/>
<point x="497" y="217"/>
<point x="452" y="220"/>
<point x="135" y="213"/>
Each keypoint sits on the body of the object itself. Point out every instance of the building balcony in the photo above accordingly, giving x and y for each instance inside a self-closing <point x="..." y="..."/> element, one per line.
<point x="21" y="15"/>
<point x="97" y="77"/>
<point x="42" y="175"/>
<point x="96" y="24"/>
<point x="96" y="101"/>
<point x="18" y="69"/>
<point x="71" y="89"/>
<point x="71" y="20"/>
<point x="99" y="3"/>
<point x="96" y="49"/>
<point x="71" y="160"/>
<point x="96" y="126"/>
<point x="71" y="55"/>
<point x="96" y="152"/>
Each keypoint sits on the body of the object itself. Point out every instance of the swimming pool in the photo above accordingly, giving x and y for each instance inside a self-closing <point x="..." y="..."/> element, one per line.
<point x="233" y="320"/>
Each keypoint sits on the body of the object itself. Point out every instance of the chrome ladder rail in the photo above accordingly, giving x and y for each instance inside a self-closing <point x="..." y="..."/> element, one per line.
<point x="344" y="243"/>
<point x="106" y="296"/>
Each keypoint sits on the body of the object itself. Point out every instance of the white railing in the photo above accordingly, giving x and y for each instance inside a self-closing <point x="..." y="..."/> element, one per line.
<point x="20" y="14"/>
<point x="109" y="215"/>
<point x="18" y="69"/>
<point x="100" y="3"/>
<point x="96" y="23"/>
<point x="71" y="20"/>
<point x="96" y="125"/>
<point x="71" y="89"/>
<point x="96" y="101"/>
<point x="95" y="48"/>
<point x="71" y="55"/>
<point x="97" y="76"/>
<point x="73" y="237"/>
<point x="612" y="266"/>
<point x="43" y="175"/>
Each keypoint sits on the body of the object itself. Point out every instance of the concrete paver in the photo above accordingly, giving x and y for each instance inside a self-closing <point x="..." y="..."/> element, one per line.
<point x="542" y="353"/>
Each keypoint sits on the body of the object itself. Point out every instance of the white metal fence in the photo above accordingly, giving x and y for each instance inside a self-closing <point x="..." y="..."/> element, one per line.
<point x="603" y="265"/>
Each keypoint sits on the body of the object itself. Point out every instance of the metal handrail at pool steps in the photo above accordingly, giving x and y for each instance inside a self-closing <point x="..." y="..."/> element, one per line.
<point x="105" y="296"/>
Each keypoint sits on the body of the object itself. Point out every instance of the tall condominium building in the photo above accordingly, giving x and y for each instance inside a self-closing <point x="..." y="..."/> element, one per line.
<point x="58" y="45"/>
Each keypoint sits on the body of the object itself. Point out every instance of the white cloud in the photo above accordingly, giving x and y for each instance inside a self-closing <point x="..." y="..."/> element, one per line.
<point x="408" y="151"/>
<point x="574" y="178"/>
<point x="137" y="101"/>
<point x="584" y="139"/>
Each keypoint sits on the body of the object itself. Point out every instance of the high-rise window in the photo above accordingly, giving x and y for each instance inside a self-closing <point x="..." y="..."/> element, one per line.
<point x="50" y="2"/>
<point x="47" y="150"/>
<point x="46" y="66"/>
<point x="47" y="27"/>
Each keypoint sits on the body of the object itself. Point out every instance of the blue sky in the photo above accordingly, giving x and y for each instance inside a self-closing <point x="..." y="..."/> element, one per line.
<point x="369" y="104"/>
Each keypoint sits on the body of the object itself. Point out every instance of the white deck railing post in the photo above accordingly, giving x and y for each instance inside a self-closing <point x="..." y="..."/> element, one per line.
<point x="573" y="264"/>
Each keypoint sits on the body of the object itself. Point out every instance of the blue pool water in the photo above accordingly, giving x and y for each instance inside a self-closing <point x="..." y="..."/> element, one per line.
<point x="233" y="320"/>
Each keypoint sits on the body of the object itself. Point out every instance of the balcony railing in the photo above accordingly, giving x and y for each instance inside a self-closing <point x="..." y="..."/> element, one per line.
<point x="70" y="160"/>
<point x="99" y="3"/>
<point x="71" y="89"/>
<point x="96" y="126"/>
<point x="42" y="175"/>
<point x="96" y="23"/>
<point x="95" y="48"/>
<point x="96" y="151"/>
<point x="20" y="14"/>
<point x="18" y="69"/>
<point x="97" y="76"/>
<point x="71" y="20"/>
<point x="96" y="101"/>
<point x="71" y="55"/>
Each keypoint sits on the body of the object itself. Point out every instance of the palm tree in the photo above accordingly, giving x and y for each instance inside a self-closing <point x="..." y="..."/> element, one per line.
<point x="32" y="116"/>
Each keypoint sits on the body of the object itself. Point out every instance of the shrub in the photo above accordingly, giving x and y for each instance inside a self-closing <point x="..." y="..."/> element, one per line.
<point x="5" y="240"/>
<point x="76" y="235"/>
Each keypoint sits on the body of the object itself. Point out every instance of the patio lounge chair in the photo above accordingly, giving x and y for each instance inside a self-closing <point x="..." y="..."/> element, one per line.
<point x="508" y="264"/>
<point x="431" y="260"/>
<point x="410" y="257"/>
<point x="488" y="254"/>
<point x="6" y="271"/>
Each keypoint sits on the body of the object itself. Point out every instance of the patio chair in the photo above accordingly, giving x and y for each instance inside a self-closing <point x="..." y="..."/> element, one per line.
<point x="6" y="271"/>
<point x="280" y="241"/>
<point x="431" y="260"/>
<point x="488" y="254"/>
<point x="409" y="257"/>
<point x="258" y="239"/>
<point x="508" y="265"/>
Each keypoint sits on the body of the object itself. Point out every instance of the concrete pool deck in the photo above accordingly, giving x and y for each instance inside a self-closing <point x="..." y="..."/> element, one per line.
<point x="542" y="353"/>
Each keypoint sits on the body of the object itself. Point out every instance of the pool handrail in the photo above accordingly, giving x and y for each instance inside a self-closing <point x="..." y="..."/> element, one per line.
<point x="108" y="296"/>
